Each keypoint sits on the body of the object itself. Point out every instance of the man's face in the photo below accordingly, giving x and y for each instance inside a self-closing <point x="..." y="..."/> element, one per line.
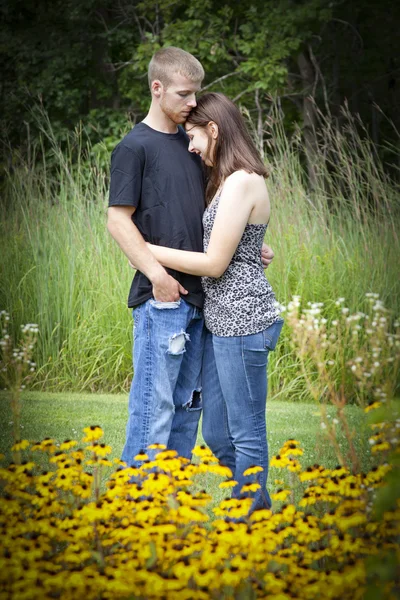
<point x="178" y="99"/>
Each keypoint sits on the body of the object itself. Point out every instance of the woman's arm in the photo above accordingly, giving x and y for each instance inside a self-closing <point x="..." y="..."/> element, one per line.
<point x="235" y="206"/>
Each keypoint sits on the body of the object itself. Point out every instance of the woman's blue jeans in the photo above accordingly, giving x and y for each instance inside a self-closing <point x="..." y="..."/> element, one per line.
<point x="234" y="382"/>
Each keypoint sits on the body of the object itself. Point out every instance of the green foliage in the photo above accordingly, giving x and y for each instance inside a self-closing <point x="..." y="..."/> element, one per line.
<point x="84" y="60"/>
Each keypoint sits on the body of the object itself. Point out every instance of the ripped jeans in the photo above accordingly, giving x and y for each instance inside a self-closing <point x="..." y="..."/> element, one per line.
<point x="165" y="396"/>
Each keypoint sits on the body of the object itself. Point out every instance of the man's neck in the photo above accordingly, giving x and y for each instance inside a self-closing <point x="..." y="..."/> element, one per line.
<point x="159" y="121"/>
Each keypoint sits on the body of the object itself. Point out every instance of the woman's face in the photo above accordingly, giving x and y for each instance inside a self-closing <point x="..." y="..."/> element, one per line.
<point x="201" y="142"/>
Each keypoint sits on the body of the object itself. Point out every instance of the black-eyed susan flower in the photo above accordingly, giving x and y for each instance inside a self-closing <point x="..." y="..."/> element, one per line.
<point x="202" y="451"/>
<point x="291" y="448"/>
<point x="46" y="445"/>
<point x="261" y="515"/>
<point x="280" y="495"/>
<point x="227" y="484"/>
<point x="252" y="470"/>
<point x="279" y="462"/>
<point x="218" y="469"/>
<point x="21" y="445"/>
<point x="166" y="454"/>
<point x="67" y="445"/>
<point x="293" y="465"/>
<point x="157" y="447"/>
<point x="92" y="433"/>
<point x="99" y="449"/>
<point x="381" y="447"/>
<point x="250" y="487"/>
<point x="141" y="456"/>
<point x="372" y="406"/>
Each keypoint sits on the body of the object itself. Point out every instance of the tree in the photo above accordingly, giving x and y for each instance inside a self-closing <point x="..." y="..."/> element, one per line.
<point x="88" y="60"/>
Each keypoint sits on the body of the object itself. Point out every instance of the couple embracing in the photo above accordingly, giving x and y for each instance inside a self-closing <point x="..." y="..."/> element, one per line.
<point x="189" y="208"/>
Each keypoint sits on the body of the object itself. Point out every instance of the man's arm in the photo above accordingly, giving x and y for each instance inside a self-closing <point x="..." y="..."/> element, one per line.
<point x="267" y="256"/>
<point x="132" y="244"/>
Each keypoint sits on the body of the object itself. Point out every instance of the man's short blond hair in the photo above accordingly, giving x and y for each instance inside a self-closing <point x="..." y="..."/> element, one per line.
<point x="168" y="61"/>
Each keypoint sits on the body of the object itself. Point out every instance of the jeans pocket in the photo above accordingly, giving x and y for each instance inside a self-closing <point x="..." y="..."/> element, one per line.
<point x="254" y="351"/>
<point x="272" y="333"/>
<point x="164" y="305"/>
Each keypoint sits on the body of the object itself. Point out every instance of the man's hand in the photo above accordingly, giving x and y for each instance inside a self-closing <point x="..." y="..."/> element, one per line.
<point x="267" y="256"/>
<point x="166" y="288"/>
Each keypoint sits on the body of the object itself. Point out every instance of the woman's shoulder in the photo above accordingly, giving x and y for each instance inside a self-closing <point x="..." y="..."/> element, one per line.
<point x="252" y="184"/>
<point x="245" y="178"/>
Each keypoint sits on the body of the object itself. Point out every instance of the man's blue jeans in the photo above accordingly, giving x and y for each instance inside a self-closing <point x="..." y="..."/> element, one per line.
<point x="165" y="397"/>
<point x="234" y="404"/>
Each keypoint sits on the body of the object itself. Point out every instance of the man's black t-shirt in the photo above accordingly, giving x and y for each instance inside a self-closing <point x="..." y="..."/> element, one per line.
<point x="155" y="173"/>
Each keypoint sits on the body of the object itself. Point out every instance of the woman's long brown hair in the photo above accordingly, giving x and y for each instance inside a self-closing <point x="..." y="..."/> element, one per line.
<point x="234" y="149"/>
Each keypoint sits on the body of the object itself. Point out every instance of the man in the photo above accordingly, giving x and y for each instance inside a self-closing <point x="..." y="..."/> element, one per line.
<point x="157" y="195"/>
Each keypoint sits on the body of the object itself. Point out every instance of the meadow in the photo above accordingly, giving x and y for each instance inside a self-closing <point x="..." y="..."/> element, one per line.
<point x="61" y="269"/>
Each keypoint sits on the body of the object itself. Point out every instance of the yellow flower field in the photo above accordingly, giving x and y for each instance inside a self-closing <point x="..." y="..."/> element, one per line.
<point x="150" y="534"/>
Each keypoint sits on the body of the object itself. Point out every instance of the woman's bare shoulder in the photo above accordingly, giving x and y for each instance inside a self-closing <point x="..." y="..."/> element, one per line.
<point x="244" y="178"/>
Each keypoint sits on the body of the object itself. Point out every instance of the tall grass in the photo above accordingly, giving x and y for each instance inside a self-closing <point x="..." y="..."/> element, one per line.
<point x="61" y="269"/>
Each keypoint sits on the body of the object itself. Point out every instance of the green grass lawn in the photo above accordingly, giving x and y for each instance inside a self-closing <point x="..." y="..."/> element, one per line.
<point x="64" y="415"/>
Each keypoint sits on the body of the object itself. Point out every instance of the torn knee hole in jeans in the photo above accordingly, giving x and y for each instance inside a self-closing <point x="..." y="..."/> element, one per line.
<point x="177" y="343"/>
<point x="195" y="401"/>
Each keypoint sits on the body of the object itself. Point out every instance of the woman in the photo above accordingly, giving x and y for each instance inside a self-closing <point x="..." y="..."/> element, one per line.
<point x="240" y="310"/>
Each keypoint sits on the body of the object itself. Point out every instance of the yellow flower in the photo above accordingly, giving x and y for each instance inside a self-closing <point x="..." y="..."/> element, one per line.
<point x="203" y="452"/>
<point x="189" y="514"/>
<point x="290" y="447"/>
<point x="274" y="585"/>
<point x="355" y="520"/>
<point x="206" y="578"/>
<point x="252" y="470"/>
<point x="381" y="447"/>
<point x="227" y="484"/>
<point x="294" y="465"/>
<point x="372" y="405"/>
<point x="231" y="577"/>
<point x="78" y="455"/>
<point x="250" y="487"/>
<point x="310" y="473"/>
<point x="99" y="449"/>
<point x="219" y="470"/>
<point x="261" y="515"/>
<point x="141" y="456"/>
<point x="59" y="457"/>
<point x="21" y="445"/>
<point x="46" y="445"/>
<point x="93" y="433"/>
<point x="68" y="444"/>
<point x="279" y="462"/>
<point x="280" y="495"/>
<point x="166" y="454"/>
